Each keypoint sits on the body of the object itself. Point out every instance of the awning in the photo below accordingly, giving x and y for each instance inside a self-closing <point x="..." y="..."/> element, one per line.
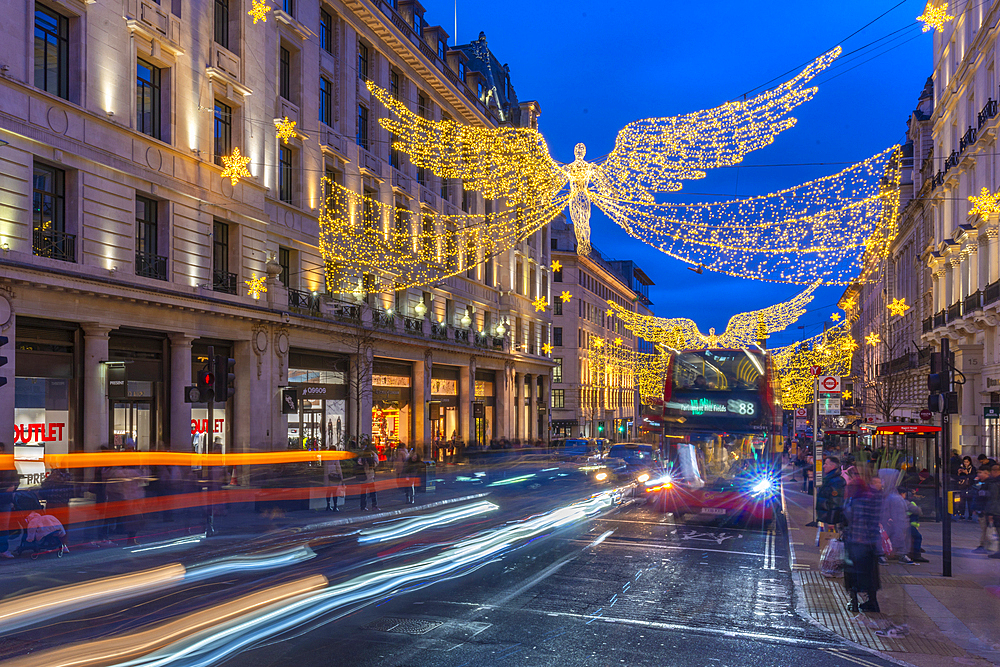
<point x="894" y="427"/>
<point x="840" y="433"/>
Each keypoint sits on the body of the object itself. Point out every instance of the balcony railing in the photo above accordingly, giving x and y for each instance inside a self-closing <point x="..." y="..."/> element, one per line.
<point x="462" y="336"/>
<point x="955" y="311"/>
<point x="938" y="179"/>
<point x="223" y="281"/>
<point x="151" y="266"/>
<point x="439" y="331"/>
<point x="303" y="301"/>
<point x="940" y="319"/>
<point x="992" y="293"/>
<point x="989" y="111"/>
<point x="347" y="312"/>
<point x="498" y="342"/>
<point x="413" y="325"/>
<point x="928" y="325"/>
<point x="383" y="320"/>
<point x="482" y="340"/>
<point x="951" y="161"/>
<point x="973" y="302"/>
<point x="54" y="245"/>
<point x="968" y="139"/>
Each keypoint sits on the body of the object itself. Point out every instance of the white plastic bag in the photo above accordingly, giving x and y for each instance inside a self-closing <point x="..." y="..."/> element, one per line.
<point x="832" y="560"/>
<point x="992" y="539"/>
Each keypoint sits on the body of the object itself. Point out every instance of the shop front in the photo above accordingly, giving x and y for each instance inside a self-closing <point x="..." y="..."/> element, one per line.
<point x="391" y="404"/>
<point x="444" y="405"/>
<point x="320" y="382"/>
<point x="211" y="425"/>
<point x="135" y="389"/>
<point x="483" y="408"/>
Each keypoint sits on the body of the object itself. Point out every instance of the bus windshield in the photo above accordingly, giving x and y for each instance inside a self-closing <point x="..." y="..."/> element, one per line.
<point x="717" y="460"/>
<point x="717" y="370"/>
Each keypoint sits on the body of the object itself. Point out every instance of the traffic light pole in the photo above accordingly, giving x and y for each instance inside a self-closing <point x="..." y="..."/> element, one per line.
<point x="945" y="457"/>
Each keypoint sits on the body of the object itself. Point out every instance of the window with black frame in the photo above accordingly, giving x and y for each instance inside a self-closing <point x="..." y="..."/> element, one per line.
<point x="222" y="23"/>
<point x="285" y="162"/>
<point x="362" y="130"/>
<point x="147" y="98"/>
<point x="326" y="31"/>
<point x="325" y="101"/>
<point x="49" y="237"/>
<point x="148" y="262"/>
<point x="362" y="61"/>
<point x="223" y="131"/>
<point x="285" y="73"/>
<point x="222" y="279"/>
<point x="285" y="262"/>
<point x="51" y="52"/>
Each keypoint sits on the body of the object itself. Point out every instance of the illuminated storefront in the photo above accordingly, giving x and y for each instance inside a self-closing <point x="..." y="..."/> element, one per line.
<point x="483" y="408"/>
<point x="217" y="429"/>
<point x="321" y="421"/>
<point x="444" y="404"/>
<point x="391" y="411"/>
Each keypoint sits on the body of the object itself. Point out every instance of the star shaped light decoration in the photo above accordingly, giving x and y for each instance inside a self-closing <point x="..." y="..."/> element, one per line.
<point x="873" y="338"/>
<point x="898" y="307"/>
<point x="556" y="265"/>
<point x="987" y="204"/>
<point x="848" y="304"/>
<point x="259" y="11"/>
<point x="850" y="344"/>
<point x="618" y="341"/>
<point x="934" y="17"/>
<point x="256" y="285"/>
<point x="597" y="343"/>
<point x="565" y="296"/>
<point x="286" y="128"/>
<point x="835" y="317"/>
<point x="846" y="394"/>
<point x="546" y="349"/>
<point x="236" y="166"/>
<point x="540" y="304"/>
<point x="610" y="312"/>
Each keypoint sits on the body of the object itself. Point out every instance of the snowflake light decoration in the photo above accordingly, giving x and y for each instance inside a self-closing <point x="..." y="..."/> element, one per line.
<point x="898" y="307"/>
<point x="256" y="285"/>
<point x="848" y="304"/>
<point x="986" y="205"/>
<point x="934" y="18"/>
<point x="556" y="265"/>
<point x="236" y="166"/>
<point x="873" y="338"/>
<point x="286" y="128"/>
<point x="259" y="11"/>
<point x="546" y="349"/>
<point x="835" y="317"/>
<point x="597" y="343"/>
<point x="618" y="341"/>
<point x="846" y="394"/>
<point x="565" y="296"/>
<point x="540" y="304"/>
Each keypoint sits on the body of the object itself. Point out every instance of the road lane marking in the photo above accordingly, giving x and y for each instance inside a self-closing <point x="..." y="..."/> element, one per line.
<point x="673" y="548"/>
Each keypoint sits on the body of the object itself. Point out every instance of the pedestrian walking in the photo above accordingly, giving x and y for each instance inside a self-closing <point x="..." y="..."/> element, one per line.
<point x="966" y="477"/>
<point x="369" y="462"/>
<point x="980" y="495"/>
<point x="412" y="470"/>
<point x="334" y="484"/>
<point x="830" y="497"/>
<point x="993" y="501"/>
<point x="913" y="514"/>
<point x="8" y="485"/>
<point x="896" y="523"/>
<point x="862" y="540"/>
<point x="124" y="491"/>
<point x="399" y="459"/>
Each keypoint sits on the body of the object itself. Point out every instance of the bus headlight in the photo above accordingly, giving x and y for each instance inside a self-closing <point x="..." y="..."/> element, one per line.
<point x="765" y="485"/>
<point x="643" y="477"/>
<point x="601" y="476"/>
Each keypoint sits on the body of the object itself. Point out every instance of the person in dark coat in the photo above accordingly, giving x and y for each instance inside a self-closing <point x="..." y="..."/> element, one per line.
<point x="862" y="540"/>
<point x="830" y="497"/>
<point x="412" y="469"/>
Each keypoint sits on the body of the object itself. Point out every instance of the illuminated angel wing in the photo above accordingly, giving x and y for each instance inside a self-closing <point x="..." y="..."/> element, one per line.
<point x="657" y="154"/>
<point x="497" y="162"/>
<point x="679" y="333"/>
<point x="747" y="328"/>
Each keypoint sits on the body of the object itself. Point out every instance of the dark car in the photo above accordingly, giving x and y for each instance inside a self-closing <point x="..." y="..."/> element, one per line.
<point x="573" y="449"/>
<point x="643" y="462"/>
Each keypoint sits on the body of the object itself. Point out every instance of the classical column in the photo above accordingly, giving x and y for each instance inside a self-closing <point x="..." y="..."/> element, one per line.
<point x="95" y="395"/>
<point x="520" y="429"/>
<point x="9" y="330"/>
<point x="543" y="391"/>
<point x="180" y="377"/>
<point x="530" y="418"/>
<point x="501" y="403"/>
<point x="466" y="395"/>
<point x="421" y="395"/>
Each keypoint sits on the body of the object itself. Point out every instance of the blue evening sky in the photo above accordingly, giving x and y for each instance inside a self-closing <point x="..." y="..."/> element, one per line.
<point x="596" y="65"/>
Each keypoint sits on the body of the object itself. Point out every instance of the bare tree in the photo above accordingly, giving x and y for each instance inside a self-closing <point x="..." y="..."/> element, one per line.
<point x="357" y="333"/>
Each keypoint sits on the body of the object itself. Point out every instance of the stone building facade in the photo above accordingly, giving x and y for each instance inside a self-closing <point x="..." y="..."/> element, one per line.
<point x="126" y="255"/>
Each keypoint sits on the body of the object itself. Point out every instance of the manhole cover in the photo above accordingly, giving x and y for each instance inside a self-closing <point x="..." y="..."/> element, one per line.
<point x="406" y="626"/>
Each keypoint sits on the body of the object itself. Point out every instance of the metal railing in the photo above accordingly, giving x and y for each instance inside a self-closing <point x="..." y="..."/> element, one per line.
<point x="955" y="311"/>
<point x="929" y="324"/>
<point x="150" y="266"/>
<point x="498" y="342"/>
<point x="989" y="111"/>
<point x="973" y="302"/>
<point x="462" y="336"/>
<point x="482" y="340"/>
<point x="992" y="293"/>
<point x="413" y="325"/>
<point x="968" y="139"/>
<point x="54" y="245"/>
<point x="223" y="281"/>
<point x="951" y="161"/>
<point x="940" y="319"/>
<point x="439" y="331"/>
<point x="383" y="320"/>
<point x="303" y="301"/>
<point x="938" y="179"/>
<point x="347" y="312"/>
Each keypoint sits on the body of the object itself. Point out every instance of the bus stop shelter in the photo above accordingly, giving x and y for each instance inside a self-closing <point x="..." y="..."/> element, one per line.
<point x="919" y="444"/>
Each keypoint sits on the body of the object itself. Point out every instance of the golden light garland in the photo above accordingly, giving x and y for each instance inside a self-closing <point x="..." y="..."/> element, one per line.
<point x="286" y="128"/>
<point x="898" y="307"/>
<point x="256" y="285"/>
<point x="743" y="330"/>
<point x="831" y="351"/>
<point x="236" y="166"/>
<point x="986" y="204"/>
<point x="935" y="16"/>
<point x="540" y="304"/>
<point x="565" y="296"/>
<point x="360" y="235"/>
<point x="613" y="365"/>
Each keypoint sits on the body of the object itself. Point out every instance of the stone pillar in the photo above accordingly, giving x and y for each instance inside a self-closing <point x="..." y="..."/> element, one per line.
<point x="543" y="391"/>
<point x="7" y="328"/>
<point x="520" y="428"/>
<point x="965" y="434"/>
<point x="421" y="396"/>
<point x="501" y="403"/>
<point x="466" y="395"/>
<point x="530" y="419"/>
<point x="95" y="391"/>
<point x="180" y="377"/>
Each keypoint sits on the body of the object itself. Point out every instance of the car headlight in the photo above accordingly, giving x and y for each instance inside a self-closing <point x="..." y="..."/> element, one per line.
<point x="601" y="476"/>
<point x="763" y="486"/>
<point x="664" y="481"/>
<point x="643" y="477"/>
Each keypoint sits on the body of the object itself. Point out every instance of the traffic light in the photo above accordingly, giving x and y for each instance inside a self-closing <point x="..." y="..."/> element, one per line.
<point x="942" y="399"/>
<point x="3" y="360"/>
<point x="600" y="428"/>
<point x="225" y="378"/>
<point x="206" y="382"/>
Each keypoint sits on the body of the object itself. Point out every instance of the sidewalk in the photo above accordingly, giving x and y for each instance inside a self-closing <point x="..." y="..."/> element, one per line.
<point x="945" y="621"/>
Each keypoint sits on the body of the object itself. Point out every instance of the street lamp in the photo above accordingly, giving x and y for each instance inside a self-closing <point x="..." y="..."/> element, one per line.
<point x="420" y="309"/>
<point x="501" y="329"/>
<point x="466" y="320"/>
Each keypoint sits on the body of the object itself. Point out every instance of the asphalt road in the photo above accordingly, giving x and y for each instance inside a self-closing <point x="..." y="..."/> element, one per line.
<point x="630" y="587"/>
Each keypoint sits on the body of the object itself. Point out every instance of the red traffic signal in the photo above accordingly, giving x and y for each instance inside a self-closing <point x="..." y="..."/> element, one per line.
<point x="205" y="379"/>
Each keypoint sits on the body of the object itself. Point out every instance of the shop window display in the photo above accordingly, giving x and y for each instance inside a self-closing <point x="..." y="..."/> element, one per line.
<point x="321" y="422"/>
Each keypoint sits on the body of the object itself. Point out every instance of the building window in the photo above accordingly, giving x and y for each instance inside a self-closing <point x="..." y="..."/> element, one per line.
<point x="441" y="49"/>
<point x="362" y="61"/>
<point x="557" y="307"/>
<point x="325" y="101"/>
<point x="362" y="135"/>
<point x="51" y="52"/>
<point x="393" y="151"/>
<point x="479" y="88"/>
<point x="557" y="276"/>
<point x="284" y="261"/>
<point x="557" y="336"/>
<point x="422" y="109"/>
<point x="222" y="279"/>
<point x="394" y="84"/>
<point x="223" y="131"/>
<point x="285" y="74"/>
<point x="288" y="6"/>
<point x="148" y="261"/>
<point x="416" y="23"/>
<point x="461" y="72"/>
<point x="49" y="237"/>
<point x="285" y="174"/>
<point x="558" y="398"/>
<point x="147" y="99"/>
<point x="222" y="23"/>
<point x="326" y="31"/>
<point x="557" y="370"/>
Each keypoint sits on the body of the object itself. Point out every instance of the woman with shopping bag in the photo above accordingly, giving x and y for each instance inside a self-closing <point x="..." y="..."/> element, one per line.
<point x="862" y="543"/>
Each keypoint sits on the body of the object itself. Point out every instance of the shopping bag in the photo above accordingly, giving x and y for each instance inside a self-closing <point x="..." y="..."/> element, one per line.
<point x="832" y="561"/>
<point x="992" y="539"/>
<point x="341" y="491"/>
<point x="886" y="542"/>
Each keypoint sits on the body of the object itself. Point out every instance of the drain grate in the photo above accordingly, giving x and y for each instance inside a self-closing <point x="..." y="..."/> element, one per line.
<point x="406" y="626"/>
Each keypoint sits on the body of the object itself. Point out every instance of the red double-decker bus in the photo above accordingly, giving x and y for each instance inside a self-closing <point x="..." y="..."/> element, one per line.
<point x="722" y="432"/>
